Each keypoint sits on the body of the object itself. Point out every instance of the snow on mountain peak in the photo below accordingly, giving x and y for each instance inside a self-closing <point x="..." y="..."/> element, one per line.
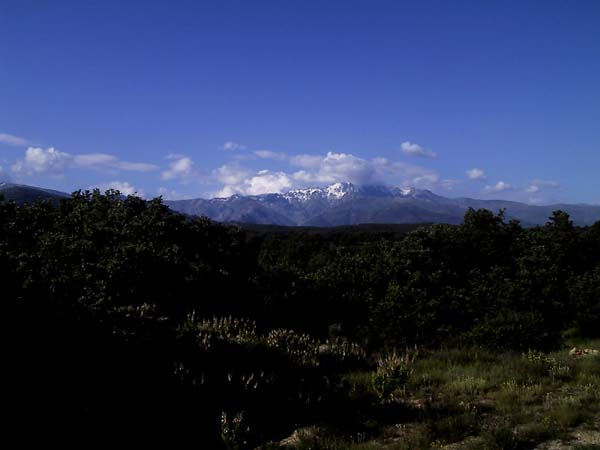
<point x="338" y="190"/>
<point x="302" y="194"/>
<point x="334" y="191"/>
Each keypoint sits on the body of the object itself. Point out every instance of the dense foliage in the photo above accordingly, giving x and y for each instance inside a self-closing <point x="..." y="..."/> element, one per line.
<point x="123" y="314"/>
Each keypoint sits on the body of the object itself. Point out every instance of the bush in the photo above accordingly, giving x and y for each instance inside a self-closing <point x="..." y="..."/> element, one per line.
<point x="516" y="330"/>
<point x="301" y="348"/>
<point x="393" y="372"/>
<point x="557" y="368"/>
<point x="221" y="329"/>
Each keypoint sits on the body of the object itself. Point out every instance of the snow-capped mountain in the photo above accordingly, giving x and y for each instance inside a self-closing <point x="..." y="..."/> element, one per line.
<point x="338" y="191"/>
<point x="348" y="204"/>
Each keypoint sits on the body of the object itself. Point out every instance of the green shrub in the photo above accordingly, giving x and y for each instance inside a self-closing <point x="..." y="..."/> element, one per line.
<point x="564" y="412"/>
<point x="502" y="438"/>
<point x="342" y="350"/>
<point x="221" y="329"/>
<point x="553" y="366"/>
<point x="467" y="385"/>
<point x="393" y="372"/>
<point x="301" y="348"/>
<point x="534" y="433"/>
<point x="233" y="431"/>
<point x="455" y="427"/>
<point x="511" y="329"/>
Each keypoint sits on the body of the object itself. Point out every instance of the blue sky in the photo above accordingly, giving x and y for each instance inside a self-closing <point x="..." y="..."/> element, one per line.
<point x="196" y="99"/>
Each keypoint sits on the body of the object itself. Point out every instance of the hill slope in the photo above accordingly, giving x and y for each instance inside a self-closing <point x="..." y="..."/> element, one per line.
<point x="20" y="193"/>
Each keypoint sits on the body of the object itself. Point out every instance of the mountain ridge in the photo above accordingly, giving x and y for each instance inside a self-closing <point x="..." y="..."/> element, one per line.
<point x="341" y="204"/>
<point x="347" y="204"/>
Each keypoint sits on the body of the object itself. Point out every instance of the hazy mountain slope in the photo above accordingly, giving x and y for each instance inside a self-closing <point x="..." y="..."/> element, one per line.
<point x="232" y="209"/>
<point x="536" y="214"/>
<point x="386" y="210"/>
<point x="20" y="193"/>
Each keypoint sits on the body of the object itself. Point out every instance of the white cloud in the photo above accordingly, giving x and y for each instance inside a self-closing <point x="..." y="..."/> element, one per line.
<point x="123" y="187"/>
<point x="265" y="181"/>
<point x="498" y="187"/>
<point x="537" y="185"/>
<point x="339" y="167"/>
<point x="416" y="150"/>
<point x="104" y="161"/>
<point x="336" y="167"/>
<point x="233" y="146"/>
<point x="39" y="161"/>
<point x="227" y="191"/>
<point x="9" y="139"/>
<point x="306" y="161"/>
<point x="476" y="174"/>
<point x="426" y="180"/>
<point x="231" y="174"/>
<point x="182" y="167"/>
<point x="268" y="154"/>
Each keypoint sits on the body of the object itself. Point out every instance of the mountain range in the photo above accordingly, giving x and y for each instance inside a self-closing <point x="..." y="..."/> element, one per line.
<point x="342" y="204"/>
<point x="349" y="204"/>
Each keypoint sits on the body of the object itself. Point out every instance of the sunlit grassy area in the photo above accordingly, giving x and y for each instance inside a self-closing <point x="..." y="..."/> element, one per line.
<point x="468" y="399"/>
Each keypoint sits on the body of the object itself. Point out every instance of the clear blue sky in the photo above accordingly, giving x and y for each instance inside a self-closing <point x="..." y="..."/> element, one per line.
<point x="202" y="98"/>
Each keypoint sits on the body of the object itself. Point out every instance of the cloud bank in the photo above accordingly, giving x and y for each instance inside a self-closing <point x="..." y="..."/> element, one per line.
<point x="318" y="170"/>
<point x="39" y="161"/>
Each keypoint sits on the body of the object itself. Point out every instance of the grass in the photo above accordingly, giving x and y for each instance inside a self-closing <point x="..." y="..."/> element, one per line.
<point x="475" y="399"/>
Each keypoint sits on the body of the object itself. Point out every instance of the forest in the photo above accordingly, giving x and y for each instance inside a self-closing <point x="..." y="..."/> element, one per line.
<point x="129" y="321"/>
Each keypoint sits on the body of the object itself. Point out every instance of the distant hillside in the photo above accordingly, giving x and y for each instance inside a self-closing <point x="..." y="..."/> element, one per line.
<point x="20" y="193"/>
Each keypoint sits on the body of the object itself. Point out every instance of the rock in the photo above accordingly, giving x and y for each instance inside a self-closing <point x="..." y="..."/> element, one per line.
<point x="297" y="436"/>
<point x="577" y="352"/>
